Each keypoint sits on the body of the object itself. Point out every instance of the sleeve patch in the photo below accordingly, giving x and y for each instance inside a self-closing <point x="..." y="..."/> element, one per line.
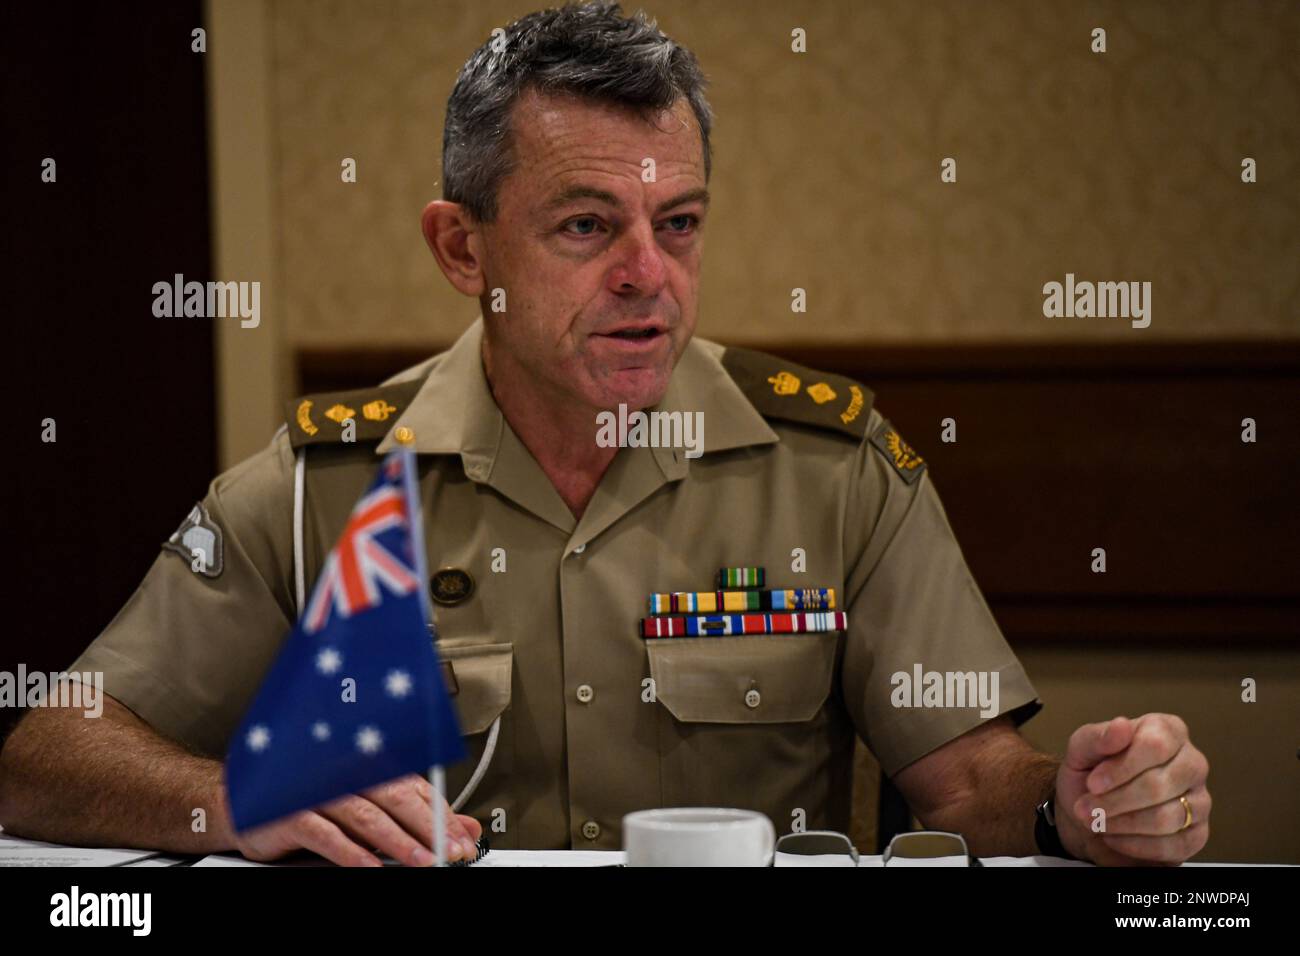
<point x="198" y="540"/>
<point x="900" y="454"/>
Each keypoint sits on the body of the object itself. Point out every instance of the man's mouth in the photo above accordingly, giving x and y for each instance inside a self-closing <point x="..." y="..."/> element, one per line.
<point x="635" y="334"/>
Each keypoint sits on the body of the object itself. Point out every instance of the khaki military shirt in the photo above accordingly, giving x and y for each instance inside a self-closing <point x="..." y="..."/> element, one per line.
<point x="597" y="721"/>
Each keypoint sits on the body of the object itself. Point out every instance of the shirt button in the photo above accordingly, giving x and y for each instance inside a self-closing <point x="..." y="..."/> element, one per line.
<point x="752" y="699"/>
<point x="585" y="693"/>
<point x="579" y="549"/>
<point x="591" y="829"/>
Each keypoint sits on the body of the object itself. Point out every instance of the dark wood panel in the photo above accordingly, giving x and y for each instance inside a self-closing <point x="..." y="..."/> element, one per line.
<point x="1246" y="619"/>
<point x="1155" y="472"/>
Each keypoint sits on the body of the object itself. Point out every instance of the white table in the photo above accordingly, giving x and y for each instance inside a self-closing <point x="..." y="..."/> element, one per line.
<point x="18" y="852"/>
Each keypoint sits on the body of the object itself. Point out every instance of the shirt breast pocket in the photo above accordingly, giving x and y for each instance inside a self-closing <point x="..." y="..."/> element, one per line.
<point x="745" y="720"/>
<point x="751" y="679"/>
<point x="478" y="680"/>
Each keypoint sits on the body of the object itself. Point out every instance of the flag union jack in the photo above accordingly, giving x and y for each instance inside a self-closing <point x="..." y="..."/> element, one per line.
<point x="360" y="563"/>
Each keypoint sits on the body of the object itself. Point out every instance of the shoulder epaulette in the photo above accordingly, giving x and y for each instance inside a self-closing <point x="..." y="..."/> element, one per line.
<point x="319" y="419"/>
<point x="781" y="389"/>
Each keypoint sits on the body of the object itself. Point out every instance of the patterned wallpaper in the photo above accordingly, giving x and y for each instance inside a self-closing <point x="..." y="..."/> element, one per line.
<point x="1122" y="166"/>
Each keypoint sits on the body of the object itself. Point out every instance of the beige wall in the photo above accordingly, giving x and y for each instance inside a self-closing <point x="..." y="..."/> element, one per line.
<point x="251" y="362"/>
<point x="1123" y="166"/>
<point x="1115" y="166"/>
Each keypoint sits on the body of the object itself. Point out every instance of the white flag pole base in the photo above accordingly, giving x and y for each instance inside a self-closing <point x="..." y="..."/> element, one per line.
<point x="437" y="779"/>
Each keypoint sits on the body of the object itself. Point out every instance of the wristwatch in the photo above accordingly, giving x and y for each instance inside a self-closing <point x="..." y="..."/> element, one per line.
<point x="1045" y="832"/>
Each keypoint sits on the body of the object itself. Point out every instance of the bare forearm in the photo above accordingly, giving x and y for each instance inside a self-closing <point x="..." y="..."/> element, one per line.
<point x="990" y="800"/>
<point x="110" y="781"/>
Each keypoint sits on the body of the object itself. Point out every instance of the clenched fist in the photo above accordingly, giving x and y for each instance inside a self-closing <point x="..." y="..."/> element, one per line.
<point x="1147" y="780"/>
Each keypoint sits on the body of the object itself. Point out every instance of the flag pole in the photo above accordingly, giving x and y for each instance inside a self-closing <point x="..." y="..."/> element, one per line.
<point x="436" y="780"/>
<point x="436" y="776"/>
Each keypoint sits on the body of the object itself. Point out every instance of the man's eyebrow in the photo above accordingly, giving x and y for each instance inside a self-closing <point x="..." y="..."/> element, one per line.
<point x="698" y="194"/>
<point x="563" y="198"/>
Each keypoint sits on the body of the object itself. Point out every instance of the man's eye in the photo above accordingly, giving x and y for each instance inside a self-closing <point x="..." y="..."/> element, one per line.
<point x="589" y="220"/>
<point x="684" y="223"/>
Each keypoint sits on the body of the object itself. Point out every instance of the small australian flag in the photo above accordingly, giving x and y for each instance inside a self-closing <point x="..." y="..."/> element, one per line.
<point x="311" y="734"/>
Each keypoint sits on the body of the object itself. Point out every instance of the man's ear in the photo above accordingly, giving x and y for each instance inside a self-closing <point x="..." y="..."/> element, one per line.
<point x="455" y="238"/>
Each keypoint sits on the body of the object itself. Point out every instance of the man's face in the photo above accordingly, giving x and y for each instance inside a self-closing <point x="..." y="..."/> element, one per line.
<point x="600" y="268"/>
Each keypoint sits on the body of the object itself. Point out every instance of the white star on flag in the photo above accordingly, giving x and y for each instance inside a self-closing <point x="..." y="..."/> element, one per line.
<point x="328" y="661"/>
<point x="258" y="738"/>
<point x="369" y="740"/>
<point x="397" y="683"/>
<point x="320" y="730"/>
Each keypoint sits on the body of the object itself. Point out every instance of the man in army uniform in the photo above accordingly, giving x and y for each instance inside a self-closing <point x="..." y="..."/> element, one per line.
<point x="546" y="544"/>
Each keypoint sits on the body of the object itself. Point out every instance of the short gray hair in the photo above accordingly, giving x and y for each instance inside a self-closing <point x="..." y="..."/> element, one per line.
<point x="591" y="51"/>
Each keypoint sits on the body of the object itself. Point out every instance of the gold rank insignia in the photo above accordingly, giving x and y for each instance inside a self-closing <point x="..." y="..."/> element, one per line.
<point x="304" y="418"/>
<point x="900" y="454"/>
<point x="377" y="410"/>
<point x="835" y="402"/>
<point x="333" y="409"/>
<point x="340" y="413"/>
<point x="785" y="383"/>
<point x="821" y="393"/>
<point x="854" y="408"/>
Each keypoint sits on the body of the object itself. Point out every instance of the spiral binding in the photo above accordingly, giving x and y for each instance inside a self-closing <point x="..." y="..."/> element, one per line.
<point x="483" y="848"/>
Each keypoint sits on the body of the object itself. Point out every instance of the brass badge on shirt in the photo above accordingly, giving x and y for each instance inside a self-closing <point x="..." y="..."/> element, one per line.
<point x="451" y="586"/>
<point x="901" y="455"/>
<point x="198" y="539"/>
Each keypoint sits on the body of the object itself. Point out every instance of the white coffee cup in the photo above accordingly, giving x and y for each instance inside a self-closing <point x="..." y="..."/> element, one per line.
<point x="698" y="836"/>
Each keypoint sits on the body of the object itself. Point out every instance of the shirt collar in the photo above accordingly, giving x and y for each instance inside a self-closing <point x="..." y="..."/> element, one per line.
<point x="700" y="384"/>
<point x="454" y="412"/>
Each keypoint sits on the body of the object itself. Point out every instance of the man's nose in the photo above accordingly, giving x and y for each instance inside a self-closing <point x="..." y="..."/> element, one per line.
<point x="640" y="263"/>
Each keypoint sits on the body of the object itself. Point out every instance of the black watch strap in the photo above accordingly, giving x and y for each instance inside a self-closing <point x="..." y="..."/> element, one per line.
<point x="1045" y="832"/>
